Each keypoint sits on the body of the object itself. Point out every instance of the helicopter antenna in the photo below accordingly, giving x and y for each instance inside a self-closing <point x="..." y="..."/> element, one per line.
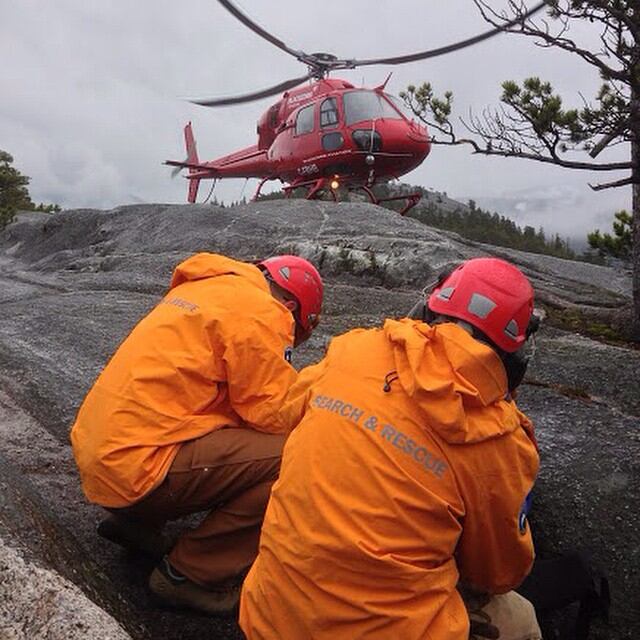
<point x="381" y="87"/>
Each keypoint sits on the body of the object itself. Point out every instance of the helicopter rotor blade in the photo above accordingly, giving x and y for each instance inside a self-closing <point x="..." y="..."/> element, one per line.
<point x="177" y="169"/>
<point x="248" y="97"/>
<point x="232" y="9"/>
<point x="351" y="63"/>
<point x="461" y="44"/>
<point x="320" y="64"/>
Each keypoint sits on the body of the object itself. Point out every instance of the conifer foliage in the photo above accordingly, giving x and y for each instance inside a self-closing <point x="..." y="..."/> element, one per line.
<point x="472" y="222"/>
<point x="14" y="192"/>
<point x="618" y="244"/>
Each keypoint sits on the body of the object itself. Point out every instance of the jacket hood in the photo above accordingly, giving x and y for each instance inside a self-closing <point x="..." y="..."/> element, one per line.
<point x="459" y="383"/>
<point x="210" y="265"/>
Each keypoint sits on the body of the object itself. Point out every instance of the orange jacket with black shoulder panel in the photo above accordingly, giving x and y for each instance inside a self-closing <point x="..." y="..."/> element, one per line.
<point x="407" y="473"/>
<point x="210" y="354"/>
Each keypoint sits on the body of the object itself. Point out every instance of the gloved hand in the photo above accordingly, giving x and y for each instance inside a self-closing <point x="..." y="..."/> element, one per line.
<point x="479" y="621"/>
<point x="481" y="627"/>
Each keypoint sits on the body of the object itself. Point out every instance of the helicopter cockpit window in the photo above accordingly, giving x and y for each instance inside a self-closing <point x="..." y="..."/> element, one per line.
<point x="400" y="106"/>
<point x="329" y="113"/>
<point x="304" y="120"/>
<point x="367" y="105"/>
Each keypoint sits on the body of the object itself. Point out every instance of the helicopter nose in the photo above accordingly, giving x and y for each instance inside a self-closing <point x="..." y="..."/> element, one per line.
<point x="405" y="137"/>
<point x="420" y="139"/>
<point x="418" y="132"/>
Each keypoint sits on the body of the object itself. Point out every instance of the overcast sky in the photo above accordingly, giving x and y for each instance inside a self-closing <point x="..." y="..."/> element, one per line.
<point x="91" y="95"/>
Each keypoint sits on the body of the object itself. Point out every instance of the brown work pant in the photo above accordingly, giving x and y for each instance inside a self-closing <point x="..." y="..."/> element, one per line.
<point x="228" y="473"/>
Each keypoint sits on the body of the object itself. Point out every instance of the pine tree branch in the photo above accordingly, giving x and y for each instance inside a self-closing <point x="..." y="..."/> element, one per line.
<point x="606" y="140"/>
<point x="611" y="185"/>
<point x="529" y="28"/>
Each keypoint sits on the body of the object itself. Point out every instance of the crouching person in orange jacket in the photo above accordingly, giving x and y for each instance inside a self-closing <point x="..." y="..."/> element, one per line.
<point x="185" y="418"/>
<point x="406" y="477"/>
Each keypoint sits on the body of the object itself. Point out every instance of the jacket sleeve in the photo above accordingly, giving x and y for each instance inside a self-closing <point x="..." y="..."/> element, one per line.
<point x="495" y="551"/>
<point x="258" y="375"/>
<point x="299" y="395"/>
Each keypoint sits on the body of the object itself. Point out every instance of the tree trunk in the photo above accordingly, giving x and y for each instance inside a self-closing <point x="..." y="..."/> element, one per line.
<point x="635" y="205"/>
<point x="636" y="245"/>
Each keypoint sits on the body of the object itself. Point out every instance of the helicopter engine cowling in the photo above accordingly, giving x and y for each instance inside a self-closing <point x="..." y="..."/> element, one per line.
<point x="268" y="125"/>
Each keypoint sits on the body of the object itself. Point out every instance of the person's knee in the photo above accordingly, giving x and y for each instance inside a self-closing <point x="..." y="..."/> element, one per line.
<point x="270" y="445"/>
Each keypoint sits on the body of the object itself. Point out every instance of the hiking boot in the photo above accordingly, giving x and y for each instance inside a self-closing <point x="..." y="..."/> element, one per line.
<point x="134" y="535"/>
<point x="176" y="590"/>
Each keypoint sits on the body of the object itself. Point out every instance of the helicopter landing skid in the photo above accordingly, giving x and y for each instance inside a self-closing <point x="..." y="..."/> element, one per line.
<point x="315" y="188"/>
<point x="412" y="199"/>
<point x="256" y="195"/>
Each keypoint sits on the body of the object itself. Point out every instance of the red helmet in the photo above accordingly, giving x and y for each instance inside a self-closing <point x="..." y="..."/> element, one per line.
<point x="301" y="279"/>
<point x="490" y="294"/>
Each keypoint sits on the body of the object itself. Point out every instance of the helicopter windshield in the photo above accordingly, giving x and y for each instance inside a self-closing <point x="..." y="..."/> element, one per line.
<point x="400" y="106"/>
<point x="367" y="105"/>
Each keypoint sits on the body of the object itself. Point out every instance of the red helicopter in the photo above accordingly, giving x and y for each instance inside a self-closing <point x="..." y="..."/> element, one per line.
<point x="325" y="135"/>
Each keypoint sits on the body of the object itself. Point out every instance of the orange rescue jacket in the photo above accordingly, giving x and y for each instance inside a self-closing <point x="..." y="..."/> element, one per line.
<point x="210" y="354"/>
<point x="407" y="473"/>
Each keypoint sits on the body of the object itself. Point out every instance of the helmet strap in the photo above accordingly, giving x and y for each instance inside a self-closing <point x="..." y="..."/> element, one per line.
<point x="292" y="305"/>
<point x="300" y="334"/>
<point x="418" y="311"/>
<point x="515" y="365"/>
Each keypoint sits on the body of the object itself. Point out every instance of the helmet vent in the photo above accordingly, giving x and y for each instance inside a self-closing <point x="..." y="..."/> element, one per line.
<point x="512" y="330"/>
<point x="446" y="293"/>
<point x="285" y="272"/>
<point x="480" y="305"/>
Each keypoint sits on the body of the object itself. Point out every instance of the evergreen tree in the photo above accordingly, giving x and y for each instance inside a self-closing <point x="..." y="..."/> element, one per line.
<point x="474" y="223"/>
<point x="619" y="244"/>
<point x="14" y="194"/>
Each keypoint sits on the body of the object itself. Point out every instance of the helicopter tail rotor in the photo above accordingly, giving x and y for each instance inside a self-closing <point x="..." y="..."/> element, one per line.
<point x="192" y="158"/>
<point x="191" y="163"/>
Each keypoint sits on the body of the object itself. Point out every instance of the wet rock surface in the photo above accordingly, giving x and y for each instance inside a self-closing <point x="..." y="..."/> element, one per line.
<point x="47" y="606"/>
<point x="72" y="286"/>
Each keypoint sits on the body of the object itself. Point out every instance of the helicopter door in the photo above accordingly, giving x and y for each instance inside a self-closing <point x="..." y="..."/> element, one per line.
<point x="301" y="142"/>
<point x="330" y="119"/>
<point x="304" y="121"/>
